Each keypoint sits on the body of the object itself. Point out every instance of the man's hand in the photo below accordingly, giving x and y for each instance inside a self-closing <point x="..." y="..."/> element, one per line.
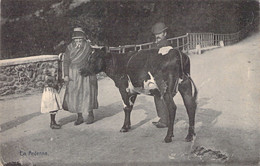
<point x="84" y="72"/>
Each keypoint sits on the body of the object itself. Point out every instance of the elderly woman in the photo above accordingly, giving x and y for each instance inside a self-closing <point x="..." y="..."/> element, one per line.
<point x="81" y="95"/>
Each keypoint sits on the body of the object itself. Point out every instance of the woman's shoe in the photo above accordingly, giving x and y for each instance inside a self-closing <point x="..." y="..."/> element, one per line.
<point x="79" y="121"/>
<point x="90" y="118"/>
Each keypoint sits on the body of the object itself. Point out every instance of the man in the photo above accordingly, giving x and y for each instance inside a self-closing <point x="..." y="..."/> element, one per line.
<point x="81" y="95"/>
<point x="159" y="31"/>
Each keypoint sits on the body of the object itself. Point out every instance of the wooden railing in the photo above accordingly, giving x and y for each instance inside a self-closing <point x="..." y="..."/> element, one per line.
<point x="181" y="42"/>
<point x="229" y="39"/>
<point x="190" y="41"/>
<point x="202" y="39"/>
<point x="186" y="42"/>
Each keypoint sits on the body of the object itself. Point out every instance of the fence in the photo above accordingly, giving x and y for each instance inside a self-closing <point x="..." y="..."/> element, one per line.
<point x="188" y="42"/>
<point x="191" y="40"/>
<point x="181" y="42"/>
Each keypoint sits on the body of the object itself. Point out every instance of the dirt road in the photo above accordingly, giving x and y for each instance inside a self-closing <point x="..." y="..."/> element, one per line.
<point x="227" y="121"/>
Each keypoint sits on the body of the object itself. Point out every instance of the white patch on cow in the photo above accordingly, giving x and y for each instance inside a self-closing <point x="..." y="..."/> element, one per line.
<point x="130" y="102"/>
<point x="150" y="84"/>
<point x="165" y="50"/>
<point x="180" y="80"/>
<point x="124" y="104"/>
<point x="130" y="88"/>
<point x="147" y="86"/>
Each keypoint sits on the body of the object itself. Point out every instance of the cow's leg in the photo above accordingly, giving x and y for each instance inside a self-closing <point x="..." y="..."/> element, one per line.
<point x="127" y="109"/>
<point x="171" y="112"/>
<point x="185" y="88"/>
<point x="128" y="100"/>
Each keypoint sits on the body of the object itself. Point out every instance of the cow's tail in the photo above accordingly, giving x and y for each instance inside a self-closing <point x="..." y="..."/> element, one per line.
<point x="195" y="95"/>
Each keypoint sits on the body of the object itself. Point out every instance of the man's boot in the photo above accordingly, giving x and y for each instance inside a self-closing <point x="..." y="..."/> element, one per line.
<point x="79" y="120"/>
<point x="90" y="118"/>
<point x="53" y="124"/>
<point x="161" y="112"/>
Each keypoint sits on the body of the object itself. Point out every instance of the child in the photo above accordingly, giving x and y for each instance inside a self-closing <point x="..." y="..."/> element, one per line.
<point x="50" y="99"/>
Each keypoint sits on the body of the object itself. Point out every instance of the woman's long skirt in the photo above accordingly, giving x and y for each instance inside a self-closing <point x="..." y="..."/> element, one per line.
<point x="81" y="93"/>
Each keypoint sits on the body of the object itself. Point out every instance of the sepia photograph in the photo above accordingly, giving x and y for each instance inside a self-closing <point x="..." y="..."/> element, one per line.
<point x="129" y="83"/>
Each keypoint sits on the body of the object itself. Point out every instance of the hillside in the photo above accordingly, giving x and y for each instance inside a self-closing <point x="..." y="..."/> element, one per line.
<point x="44" y="26"/>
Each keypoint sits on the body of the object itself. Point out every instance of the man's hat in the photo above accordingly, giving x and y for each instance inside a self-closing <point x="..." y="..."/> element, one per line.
<point x="158" y="28"/>
<point x="78" y="33"/>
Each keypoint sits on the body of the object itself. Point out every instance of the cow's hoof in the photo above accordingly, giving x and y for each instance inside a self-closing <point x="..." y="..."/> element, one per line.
<point x="168" y="139"/>
<point x="189" y="137"/>
<point x="124" y="130"/>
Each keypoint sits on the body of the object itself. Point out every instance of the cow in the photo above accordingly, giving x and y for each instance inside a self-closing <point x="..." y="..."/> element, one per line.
<point x="155" y="72"/>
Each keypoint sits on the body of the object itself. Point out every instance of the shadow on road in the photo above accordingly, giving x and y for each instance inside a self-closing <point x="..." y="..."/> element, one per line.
<point x="18" y="121"/>
<point x="108" y="110"/>
<point x="100" y="113"/>
<point x="68" y="119"/>
<point x="146" y="105"/>
<point x="115" y="108"/>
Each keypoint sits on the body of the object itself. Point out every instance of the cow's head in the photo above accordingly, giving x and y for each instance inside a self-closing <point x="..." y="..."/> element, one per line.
<point x="95" y="63"/>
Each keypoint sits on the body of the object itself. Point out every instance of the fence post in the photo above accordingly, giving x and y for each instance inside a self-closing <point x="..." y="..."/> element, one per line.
<point x="198" y="49"/>
<point x="182" y="39"/>
<point x="187" y="42"/>
<point x="221" y="43"/>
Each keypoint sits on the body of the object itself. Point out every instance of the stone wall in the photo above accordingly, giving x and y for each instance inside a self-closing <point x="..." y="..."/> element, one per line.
<point x="25" y="74"/>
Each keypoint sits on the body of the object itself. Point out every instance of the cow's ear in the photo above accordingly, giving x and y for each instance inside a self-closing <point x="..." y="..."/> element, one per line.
<point x="105" y="51"/>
